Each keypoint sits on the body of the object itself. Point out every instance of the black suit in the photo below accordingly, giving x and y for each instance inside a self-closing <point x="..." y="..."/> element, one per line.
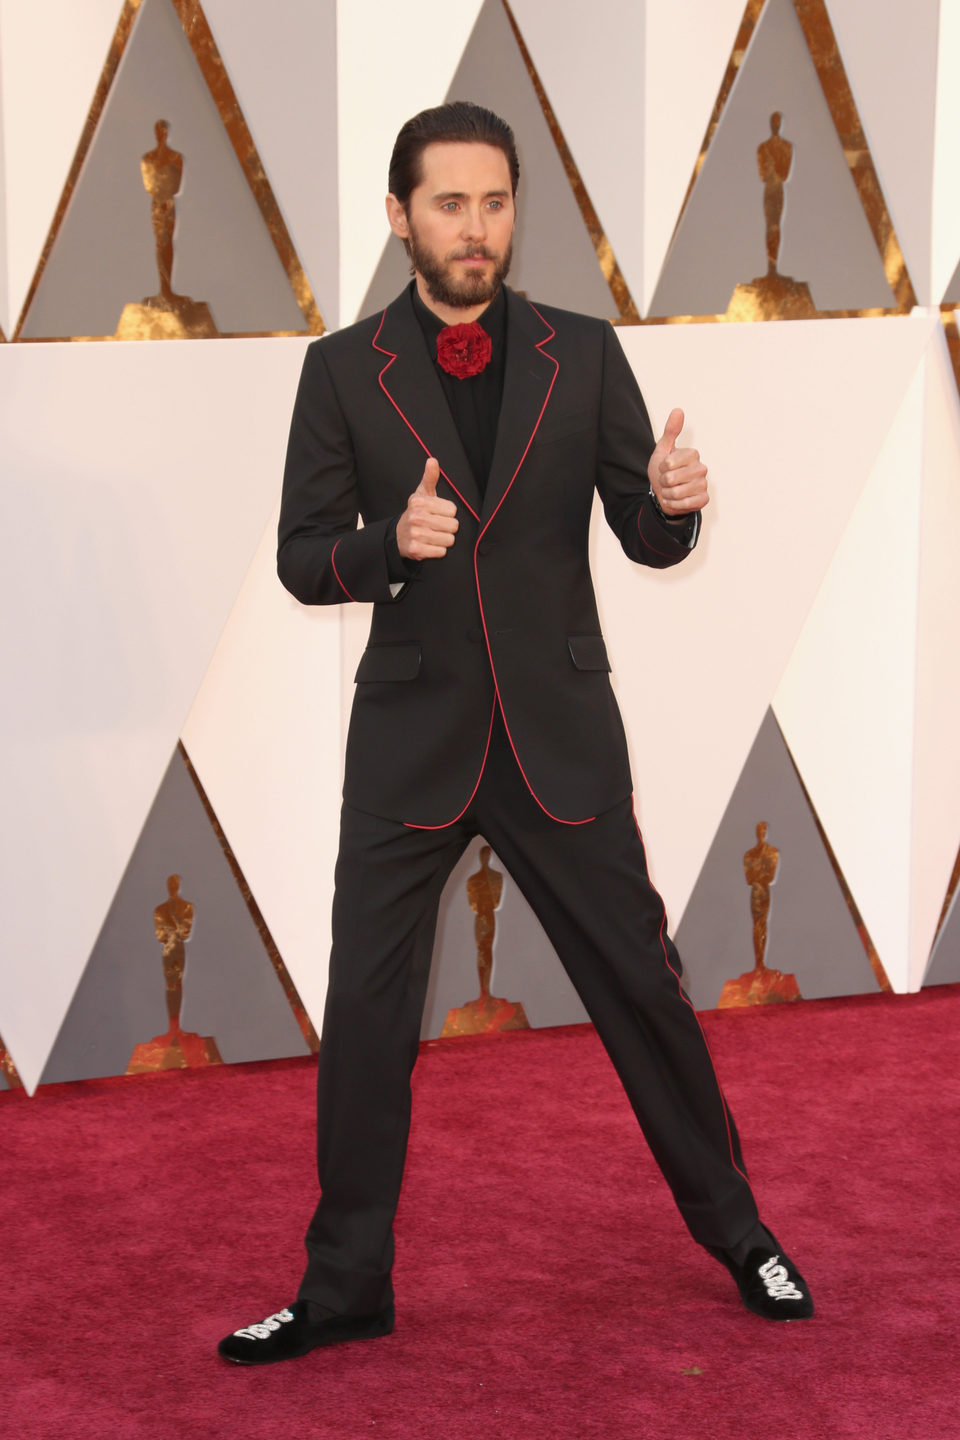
<point x="517" y="580"/>
<point x="483" y="705"/>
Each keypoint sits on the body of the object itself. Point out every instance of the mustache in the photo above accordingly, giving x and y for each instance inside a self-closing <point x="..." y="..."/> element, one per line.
<point x="473" y="252"/>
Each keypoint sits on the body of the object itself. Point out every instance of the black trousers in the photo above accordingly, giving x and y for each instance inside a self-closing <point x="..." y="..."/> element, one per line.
<point x="588" y="886"/>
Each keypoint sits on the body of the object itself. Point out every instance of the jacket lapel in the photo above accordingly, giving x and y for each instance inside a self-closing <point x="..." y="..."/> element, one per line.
<point x="527" y="385"/>
<point x="410" y="383"/>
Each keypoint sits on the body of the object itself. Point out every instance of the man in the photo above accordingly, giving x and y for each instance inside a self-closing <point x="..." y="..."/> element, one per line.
<point x="483" y="707"/>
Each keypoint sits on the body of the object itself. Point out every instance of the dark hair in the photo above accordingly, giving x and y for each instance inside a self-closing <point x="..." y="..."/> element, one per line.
<point x="446" y="124"/>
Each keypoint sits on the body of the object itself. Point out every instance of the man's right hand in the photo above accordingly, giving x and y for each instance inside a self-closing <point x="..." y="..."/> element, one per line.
<point x="428" y="526"/>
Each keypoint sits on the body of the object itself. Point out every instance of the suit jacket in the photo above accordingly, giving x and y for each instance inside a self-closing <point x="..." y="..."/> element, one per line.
<point x="508" y="616"/>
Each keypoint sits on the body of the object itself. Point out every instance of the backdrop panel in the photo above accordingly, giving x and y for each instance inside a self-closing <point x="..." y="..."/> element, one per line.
<point x="773" y="410"/>
<point x="138" y="481"/>
<point x="811" y="935"/>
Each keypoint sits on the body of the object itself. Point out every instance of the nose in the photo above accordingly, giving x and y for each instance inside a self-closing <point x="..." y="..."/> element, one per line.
<point x="474" y="225"/>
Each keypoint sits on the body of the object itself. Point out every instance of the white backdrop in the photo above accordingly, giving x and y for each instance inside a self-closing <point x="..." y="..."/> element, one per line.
<point x="140" y="484"/>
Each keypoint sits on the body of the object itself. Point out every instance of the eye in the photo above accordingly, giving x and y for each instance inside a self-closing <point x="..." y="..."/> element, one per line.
<point x="449" y="205"/>
<point x="496" y="204"/>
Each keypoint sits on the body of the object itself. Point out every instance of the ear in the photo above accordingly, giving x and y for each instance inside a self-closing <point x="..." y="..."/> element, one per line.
<point x="397" y="216"/>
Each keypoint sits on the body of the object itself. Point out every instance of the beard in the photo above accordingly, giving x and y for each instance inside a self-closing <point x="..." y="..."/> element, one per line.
<point x="459" y="291"/>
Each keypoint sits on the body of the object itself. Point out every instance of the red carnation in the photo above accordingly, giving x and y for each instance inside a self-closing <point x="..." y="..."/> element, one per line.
<point x="464" y="350"/>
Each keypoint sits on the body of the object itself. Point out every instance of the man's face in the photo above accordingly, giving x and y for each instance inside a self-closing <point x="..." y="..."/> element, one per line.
<point x="459" y="223"/>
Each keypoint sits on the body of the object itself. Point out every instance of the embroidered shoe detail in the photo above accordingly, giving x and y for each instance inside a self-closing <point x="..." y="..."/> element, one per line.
<point x="776" y="1278"/>
<point x="266" y="1327"/>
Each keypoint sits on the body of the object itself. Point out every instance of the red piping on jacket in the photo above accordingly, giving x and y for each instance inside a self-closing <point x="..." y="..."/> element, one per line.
<point x="337" y="572"/>
<point x="483" y="765"/>
<point x="723" y="1098"/>
<point x="483" y="619"/>
<point x="403" y="417"/>
<point x="556" y="370"/>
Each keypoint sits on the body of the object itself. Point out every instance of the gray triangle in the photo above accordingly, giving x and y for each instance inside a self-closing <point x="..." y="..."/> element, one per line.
<point x="230" y="990"/>
<point x="952" y="293"/>
<point x="553" y="256"/>
<point x="104" y="256"/>
<point x="943" y="967"/>
<point x="826" y="240"/>
<point x="811" y="934"/>
<point x="525" y="964"/>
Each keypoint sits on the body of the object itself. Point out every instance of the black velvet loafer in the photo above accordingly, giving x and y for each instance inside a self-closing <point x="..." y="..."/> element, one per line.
<point x="770" y="1285"/>
<point x="289" y="1334"/>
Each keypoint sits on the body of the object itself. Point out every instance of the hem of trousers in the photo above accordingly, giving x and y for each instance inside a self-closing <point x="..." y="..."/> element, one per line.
<point x="721" y="1223"/>
<point x="344" y="1291"/>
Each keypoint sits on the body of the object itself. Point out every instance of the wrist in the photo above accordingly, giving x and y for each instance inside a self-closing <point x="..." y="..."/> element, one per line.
<point x="662" y="514"/>
<point x="400" y="567"/>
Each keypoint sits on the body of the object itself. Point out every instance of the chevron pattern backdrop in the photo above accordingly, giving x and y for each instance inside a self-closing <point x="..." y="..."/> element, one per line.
<point x="171" y="712"/>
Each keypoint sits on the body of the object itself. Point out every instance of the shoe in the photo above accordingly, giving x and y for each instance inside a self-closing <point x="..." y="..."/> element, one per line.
<point x="289" y="1334"/>
<point x="770" y="1284"/>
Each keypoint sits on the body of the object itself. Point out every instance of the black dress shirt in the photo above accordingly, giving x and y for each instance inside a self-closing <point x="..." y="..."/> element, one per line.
<point x="475" y="401"/>
<point x="474" y="404"/>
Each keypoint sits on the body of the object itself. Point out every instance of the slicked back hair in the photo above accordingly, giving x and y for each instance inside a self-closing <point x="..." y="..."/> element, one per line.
<point x="457" y="122"/>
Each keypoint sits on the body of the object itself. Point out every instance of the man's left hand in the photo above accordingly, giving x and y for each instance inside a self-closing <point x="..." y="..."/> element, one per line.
<point x="678" y="477"/>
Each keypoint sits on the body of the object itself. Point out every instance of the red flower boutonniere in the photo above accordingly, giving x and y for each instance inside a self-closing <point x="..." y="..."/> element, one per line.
<point x="464" y="350"/>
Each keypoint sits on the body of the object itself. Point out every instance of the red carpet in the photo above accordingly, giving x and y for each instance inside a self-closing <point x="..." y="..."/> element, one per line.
<point x="546" y="1287"/>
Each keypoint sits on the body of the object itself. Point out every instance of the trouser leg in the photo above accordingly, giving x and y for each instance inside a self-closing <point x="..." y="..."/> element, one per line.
<point x="388" y="884"/>
<point x="589" y="887"/>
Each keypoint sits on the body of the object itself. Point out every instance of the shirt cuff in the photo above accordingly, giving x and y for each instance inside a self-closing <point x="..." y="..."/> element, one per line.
<point x="684" y="528"/>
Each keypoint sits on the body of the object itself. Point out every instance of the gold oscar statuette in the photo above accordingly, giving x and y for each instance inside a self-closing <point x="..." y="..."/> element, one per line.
<point x="488" y="1012"/>
<point x="166" y="315"/>
<point x="760" y="986"/>
<point x="773" y="296"/>
<point x="177" y="1049"/>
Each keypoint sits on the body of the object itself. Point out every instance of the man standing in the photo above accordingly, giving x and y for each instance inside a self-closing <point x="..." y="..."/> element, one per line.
<point x="483" y="706"/>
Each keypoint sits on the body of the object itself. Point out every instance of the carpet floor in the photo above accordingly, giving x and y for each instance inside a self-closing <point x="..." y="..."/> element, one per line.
<point x="546" y="1287"/>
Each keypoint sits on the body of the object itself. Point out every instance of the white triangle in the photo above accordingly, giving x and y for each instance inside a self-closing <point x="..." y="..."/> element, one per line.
<point x="264" y="735"/>
<point x="146" y="499"/>
<point x="282" y="63"/>
<point x="4" y="266"/>
<point x="898" y="119"/>
<point x="790" y="421"/>
<point x="386" y="73"/>
<point x="51" y="56"/>
<point x="937" y="803"/>
<point x="946" y="168"/>
<point x="674" y="127"/>
<point x="846" y="701"/>
<point x="602" y="124"/>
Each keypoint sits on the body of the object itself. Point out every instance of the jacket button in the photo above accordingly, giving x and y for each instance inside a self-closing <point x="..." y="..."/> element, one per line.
<point x="486" y="547"/>
<point x="475" y="634"/>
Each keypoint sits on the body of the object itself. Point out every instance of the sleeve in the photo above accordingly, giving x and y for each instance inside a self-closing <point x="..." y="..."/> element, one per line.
<point x="626" y="442"/>
<point x="322" y="558"/>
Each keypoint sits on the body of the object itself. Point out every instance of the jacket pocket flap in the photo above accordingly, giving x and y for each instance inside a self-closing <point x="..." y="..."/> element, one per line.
<point x="588" y="652"/>
<point x="388" y="662"/>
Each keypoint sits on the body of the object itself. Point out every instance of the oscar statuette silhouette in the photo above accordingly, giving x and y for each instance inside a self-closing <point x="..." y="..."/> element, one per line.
<point x="760" y="986"/>
<point x="773" y="296"/>
<point x="177" y="1049"/>
<point x="487" y="1012"/>
<point x="166" y="315"/>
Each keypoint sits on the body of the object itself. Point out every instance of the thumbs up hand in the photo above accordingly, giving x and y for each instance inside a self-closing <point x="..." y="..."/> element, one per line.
<point x="677" y="476"/>
<point x="428" y="526"/>
<point x="429" y="478"/>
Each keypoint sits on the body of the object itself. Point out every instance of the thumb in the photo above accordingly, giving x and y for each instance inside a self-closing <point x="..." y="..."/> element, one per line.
<point x="428" y="481"/>
<point x="672" y="430"/>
